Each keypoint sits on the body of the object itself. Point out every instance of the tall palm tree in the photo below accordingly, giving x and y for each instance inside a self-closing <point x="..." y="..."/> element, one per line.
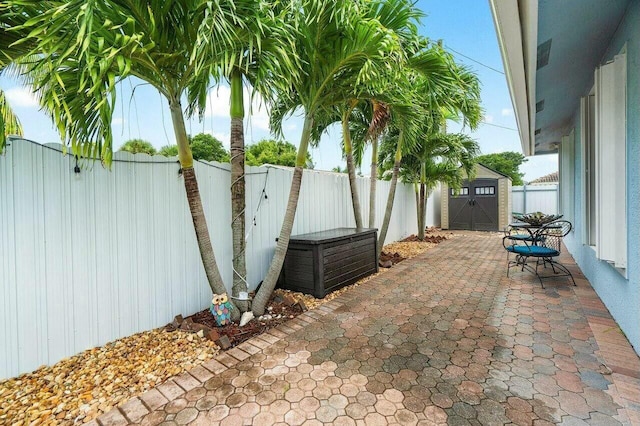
<point x="337" y="46"/>
<point x="439" y="157"/>
<point x="86" y="47"/>
<point x="399" y="18"/>
<point x="368" y="123"/>
<point x="347" y="146"/>
<point x="437" y="84"/>
<point x="264" y="56"/>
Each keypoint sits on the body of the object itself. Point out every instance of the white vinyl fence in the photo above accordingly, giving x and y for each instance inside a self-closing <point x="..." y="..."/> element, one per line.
<point x="535" y="198"/>
<point x="89" y="257"/>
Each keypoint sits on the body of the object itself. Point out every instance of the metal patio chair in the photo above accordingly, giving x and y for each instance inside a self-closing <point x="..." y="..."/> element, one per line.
<point x="543" y="245"/>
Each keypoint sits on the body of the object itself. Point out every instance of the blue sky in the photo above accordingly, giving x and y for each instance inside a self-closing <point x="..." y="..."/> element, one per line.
<point x="465" y="26"/>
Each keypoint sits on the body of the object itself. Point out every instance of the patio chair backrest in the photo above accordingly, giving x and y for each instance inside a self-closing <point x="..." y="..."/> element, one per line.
<point x="550" y="235"/>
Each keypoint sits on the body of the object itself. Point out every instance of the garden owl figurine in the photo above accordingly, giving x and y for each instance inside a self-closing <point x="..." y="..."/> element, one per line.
<point x="221" y="309"/>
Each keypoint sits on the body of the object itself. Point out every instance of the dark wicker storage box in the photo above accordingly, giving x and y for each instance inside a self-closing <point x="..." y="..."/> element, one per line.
<point x="321" y="262"/>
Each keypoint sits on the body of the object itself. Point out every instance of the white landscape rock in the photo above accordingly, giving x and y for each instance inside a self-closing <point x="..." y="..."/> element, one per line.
<point x="246" y="318"/>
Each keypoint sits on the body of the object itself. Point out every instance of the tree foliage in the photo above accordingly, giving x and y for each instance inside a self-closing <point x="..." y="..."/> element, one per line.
<point x="203" y="146"/>
<point x="137" y="146"/>
<point x="82" y="50"/>
<point x="169" y="151"/>
<point x="206" y="147"/>
<point x="508" y="163"/>
<point x="271" y="151"/>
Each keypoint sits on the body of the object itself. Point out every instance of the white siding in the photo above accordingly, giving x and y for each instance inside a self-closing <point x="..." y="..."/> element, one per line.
<point x="87" y="258"/>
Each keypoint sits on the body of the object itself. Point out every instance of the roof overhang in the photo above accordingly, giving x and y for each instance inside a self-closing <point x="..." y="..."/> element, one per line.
<point x="550" y="50"/>
<point x="516" y="28"/>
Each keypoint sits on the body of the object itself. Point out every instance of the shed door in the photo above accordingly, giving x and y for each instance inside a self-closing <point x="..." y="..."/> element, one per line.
<point x="475" y="207"/>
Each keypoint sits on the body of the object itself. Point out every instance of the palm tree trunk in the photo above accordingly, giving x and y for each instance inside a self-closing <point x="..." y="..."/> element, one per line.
<point x="422" y="210"/>
<point x="238" y="188"/>
<point x="269" y="283"/>
<point x="195" y="203"/>
<point x="416" y="190"/>
<point x="351" y="168"/>
<point x="424" y="220"/>
<point x="373" y="181"/>
<point x="391" y="197"/>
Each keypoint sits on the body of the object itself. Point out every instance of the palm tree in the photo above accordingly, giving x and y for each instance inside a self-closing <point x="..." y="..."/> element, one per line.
<point x="337" y="46"/>
<point x="347" y="146"/>
<point x="9" y="123"/>
<point x="436" y="84"/>
<point x="87" y="47"/>
<point x="439" y="157"/>
<point x="399" y="18"/>
<point x="9" y="53"/>
<point x="264" y="57"/>
<point x="368" y="123"/>
<point x="136" y="146"/>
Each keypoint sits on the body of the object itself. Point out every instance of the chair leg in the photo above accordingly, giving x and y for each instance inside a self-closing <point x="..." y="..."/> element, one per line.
<point x="537" y="274"/>
<point x="560" y="268"/>
<point x="508" y="264"/>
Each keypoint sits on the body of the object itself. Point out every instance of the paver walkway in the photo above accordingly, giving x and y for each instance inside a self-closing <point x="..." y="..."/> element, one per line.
<point x="445" y="338"/>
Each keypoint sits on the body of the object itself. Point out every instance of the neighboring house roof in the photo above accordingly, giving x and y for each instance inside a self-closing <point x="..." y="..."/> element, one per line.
<point x="549" y="50"/>
<point x="550" y="178"/>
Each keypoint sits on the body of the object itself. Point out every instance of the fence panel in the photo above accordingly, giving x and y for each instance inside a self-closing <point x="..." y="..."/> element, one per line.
<point x="89" y="257"/>
<point x="535" y="198"/>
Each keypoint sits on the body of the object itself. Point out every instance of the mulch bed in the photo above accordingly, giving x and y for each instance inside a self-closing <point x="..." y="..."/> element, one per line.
<point x="279" y="310"/>
<point x="436" y="239"/>
<point x="393" y="257"/>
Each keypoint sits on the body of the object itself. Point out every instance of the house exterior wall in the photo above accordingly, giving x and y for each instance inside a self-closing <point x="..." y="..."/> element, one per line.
<point x="621" y="295"/>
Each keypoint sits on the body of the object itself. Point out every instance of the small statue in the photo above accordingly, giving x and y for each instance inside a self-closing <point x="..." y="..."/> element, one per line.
<point x="221" y="309"/>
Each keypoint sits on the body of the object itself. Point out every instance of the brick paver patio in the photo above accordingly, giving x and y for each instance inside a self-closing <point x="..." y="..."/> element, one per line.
<point x="445" y="338"/>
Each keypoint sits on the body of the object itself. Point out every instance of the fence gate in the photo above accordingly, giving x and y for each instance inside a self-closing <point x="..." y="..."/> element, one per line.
<point x="475" y="206"/>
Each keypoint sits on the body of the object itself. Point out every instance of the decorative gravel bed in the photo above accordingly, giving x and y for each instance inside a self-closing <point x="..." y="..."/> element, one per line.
<point x="80" y="388"/>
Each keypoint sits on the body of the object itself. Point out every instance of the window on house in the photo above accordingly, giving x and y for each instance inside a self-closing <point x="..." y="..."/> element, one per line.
<point x="605" y="158"/>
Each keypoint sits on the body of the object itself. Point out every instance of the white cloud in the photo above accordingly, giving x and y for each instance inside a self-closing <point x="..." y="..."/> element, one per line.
<point x="291" y="127"/>
<point x="507" y="112"/>
<point x="118" y="121"/>
<point x="488" y="118"/>
<point x="21" y="97"/>
<point x="218" y="102"/>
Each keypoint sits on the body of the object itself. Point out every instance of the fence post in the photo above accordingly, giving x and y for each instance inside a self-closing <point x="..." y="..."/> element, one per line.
<point x="524" y="198"/>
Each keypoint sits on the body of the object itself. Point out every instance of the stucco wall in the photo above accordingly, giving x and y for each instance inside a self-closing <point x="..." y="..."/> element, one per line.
<point x="621" y="295"/>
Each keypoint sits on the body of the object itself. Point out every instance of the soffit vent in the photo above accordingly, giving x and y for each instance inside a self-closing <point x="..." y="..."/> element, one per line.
<point x="540" y="106"/>
<point x="544" y="50"/>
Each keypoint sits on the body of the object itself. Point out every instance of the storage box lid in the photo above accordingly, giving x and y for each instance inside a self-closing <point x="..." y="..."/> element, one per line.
<point x="331" y="235"/>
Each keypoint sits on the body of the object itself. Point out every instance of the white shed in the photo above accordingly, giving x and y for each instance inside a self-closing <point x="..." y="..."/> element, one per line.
<point x="483" y="204"/>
